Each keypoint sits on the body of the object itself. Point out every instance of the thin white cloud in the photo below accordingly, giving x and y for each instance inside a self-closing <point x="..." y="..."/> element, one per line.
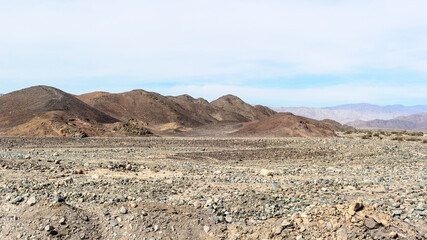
<point x="173" y="41"/>
<point x="163" y="39"/>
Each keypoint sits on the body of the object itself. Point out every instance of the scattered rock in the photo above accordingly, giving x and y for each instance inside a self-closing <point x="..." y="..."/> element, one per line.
<point x="17" y="200"/>
<point x="123" y="210"/>
<point x="266" y="172"/>
<point x="48" y="228"/>
<point x="393" y="235"/>
<point x="32" y="200"/>
<point x="128" y="167"/>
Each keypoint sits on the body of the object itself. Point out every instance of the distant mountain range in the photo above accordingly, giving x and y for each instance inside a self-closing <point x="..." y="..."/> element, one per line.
<point x="411" y="122"/>
<point x="355" y="112"/>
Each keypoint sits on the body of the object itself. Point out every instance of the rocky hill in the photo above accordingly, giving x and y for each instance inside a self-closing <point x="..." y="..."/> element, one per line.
<point x="183" y="111"/>
<point x="285" y="125"/>
<point x="43" y="111"/>
<point x="47" y="111"/>
<point x="411" y="122"/>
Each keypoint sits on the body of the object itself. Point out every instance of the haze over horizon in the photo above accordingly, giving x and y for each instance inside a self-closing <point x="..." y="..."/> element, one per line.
<point x="274" y="53"/>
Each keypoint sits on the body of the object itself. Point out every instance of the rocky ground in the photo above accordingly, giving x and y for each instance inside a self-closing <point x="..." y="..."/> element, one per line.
<point x="213" y="188"/>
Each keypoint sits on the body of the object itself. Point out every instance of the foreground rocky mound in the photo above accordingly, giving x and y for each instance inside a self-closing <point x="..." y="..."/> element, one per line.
<point x="285" y="125"/>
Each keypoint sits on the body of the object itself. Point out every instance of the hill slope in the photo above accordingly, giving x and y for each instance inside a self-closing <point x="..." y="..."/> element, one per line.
<point x="285" y="125"/>
<point x="158" y="110"/>
<point x="44" y="111"/>
<point x="411" y="122"/>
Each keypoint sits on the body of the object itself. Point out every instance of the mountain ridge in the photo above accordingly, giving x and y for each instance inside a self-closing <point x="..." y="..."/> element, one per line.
<point x="353" y="112"/>
<point x="412" y="122"/>
<point x="43" y="111"/>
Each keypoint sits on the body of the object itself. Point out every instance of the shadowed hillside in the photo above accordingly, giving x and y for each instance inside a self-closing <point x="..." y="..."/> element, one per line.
<point x="285" y="125"/>
<point x="181" y="111"/>
<point x="21" y="106"/>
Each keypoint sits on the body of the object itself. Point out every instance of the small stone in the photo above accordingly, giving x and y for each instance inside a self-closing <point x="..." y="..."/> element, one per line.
<point x="229" y="219"/>
<point x="58" y="161"/>
<point x="31" y="201"/>
<point x="17" y="200"/>
<point x="62" y="221"/>
<point x="393" y="235"/>
<point x="128" y="167"/>
<point x="206" y="229"/>
<point x="133" y="204"/>
<point x="370" y="223"/>
<point x="356" y="206"/>
<point x="342" y="234"/>
<point x="56" y="154"/>
<point x="80" y="171"/>
<point x="27" y="157"/>
<point x="48" y="228"/>
<point x="123" y="210"/>
<point x="58" y="198"/>
<point x="299" y="237"/>
<point x="156" y="228"/>
<point x="278" y="230"/>
<point x="286" y="224"/>
<point x="266" y="172"/>
<point x="397" y="212"/>
<point x="275" y="187"/>
<point x="197" y="204"/>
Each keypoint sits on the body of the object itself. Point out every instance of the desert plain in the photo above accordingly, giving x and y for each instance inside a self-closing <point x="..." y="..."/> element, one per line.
<point x="343" y="187"/>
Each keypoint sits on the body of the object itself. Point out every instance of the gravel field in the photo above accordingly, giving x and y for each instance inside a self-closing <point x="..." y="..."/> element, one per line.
<point x="212" y="188"/>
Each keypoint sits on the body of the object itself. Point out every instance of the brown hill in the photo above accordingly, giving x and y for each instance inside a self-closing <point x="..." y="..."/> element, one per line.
<point x="47" y="111"/>
<point x="336" y="126"/>
<point x="245" y="112"/>
<point x="149" y="107"/>
<point x="167" y="112"/>
<point x="285" y="125"/>
<point x="411" y="122"/>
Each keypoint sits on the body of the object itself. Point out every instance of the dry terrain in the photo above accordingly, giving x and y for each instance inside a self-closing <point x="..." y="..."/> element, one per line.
<point x="213" y="188"/>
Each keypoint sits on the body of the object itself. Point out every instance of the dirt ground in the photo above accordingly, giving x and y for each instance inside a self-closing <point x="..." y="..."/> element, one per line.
<point x="214" y="188"/>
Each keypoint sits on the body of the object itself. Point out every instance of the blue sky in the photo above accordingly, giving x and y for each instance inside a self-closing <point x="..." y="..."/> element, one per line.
<point x="271" y="52"/>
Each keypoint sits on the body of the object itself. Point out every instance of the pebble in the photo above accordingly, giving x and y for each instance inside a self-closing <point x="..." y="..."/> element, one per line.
<point x="123" y="210"/>
<point x="17" y="200"/>
<point x="393" y="235"/>
<point x="128" y="167"/>
<point x="48" y="228"/>
<point x="397" y="212"/>
<point x="32" y="200"/>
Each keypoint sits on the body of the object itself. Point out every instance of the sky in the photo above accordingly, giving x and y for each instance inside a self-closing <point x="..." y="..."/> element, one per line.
<point x="271" y="52"/>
